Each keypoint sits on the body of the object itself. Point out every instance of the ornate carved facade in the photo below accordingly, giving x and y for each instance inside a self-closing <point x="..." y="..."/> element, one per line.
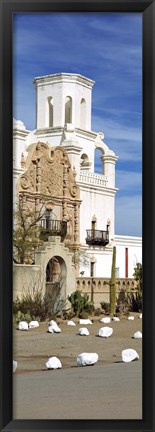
<point x="50" y="182"/>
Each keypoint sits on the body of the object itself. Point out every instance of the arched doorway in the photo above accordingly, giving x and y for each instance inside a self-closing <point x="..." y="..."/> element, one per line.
<point x="56" y="274"/>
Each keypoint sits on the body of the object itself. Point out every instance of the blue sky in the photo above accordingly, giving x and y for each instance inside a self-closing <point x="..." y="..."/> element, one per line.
<point x="106" y="47"/>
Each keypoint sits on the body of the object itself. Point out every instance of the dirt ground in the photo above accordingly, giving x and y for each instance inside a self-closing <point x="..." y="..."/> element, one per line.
<point x="32" y="348"/>
<point x="110" y="389"/>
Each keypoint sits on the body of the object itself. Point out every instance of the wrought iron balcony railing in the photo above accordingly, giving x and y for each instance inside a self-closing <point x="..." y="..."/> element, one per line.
<point x="97" y="237"/>
<point x="53" y="227"/>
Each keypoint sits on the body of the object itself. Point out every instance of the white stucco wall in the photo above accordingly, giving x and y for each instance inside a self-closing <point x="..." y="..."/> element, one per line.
<point x="134" y="246"/>
<point x="102" y="258"/>
<point x="99" y="203"/>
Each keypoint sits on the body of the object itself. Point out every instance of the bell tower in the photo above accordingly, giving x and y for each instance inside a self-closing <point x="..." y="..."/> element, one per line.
<point x="63" y="98"/>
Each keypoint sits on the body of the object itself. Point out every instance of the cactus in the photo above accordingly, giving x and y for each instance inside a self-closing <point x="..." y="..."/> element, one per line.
<point x="113" y="284"/>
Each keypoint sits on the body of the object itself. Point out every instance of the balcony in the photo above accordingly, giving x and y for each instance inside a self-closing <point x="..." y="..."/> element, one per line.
<point x="97" y="237"/>
<point x="51" y="227"/>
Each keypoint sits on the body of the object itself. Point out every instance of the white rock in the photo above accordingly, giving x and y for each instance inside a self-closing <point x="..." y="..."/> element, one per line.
<point x="85" y="321"/>
<point x="86" y="359"/>
<point x="52" y="322"/>
<point x="50" y="329"/>
<point x="105" y="332"/>
<point x="129" y="355"/>
<point x="23" y="325"/>
<point x="33" y="324"/>
<point x="71" y="323"/>
<point x="56" y="329"/>
<point x="14" y="365"/>
<point x="53" y="328"/>
<point x="137" y="335"/>
<point x="140" y="316"/>
<point x="105" y="320"/>
<point x="53" y="363"/>
<point x="131" y="318"/>
<point x="115" y="319"/>
<point x="83" y="331"/>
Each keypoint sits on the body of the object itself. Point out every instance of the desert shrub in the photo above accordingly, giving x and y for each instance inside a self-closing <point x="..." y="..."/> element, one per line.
<point x="138" y="275"/>
<point x="68" y="314"/>
<point x="136" y="301"/>
<point x="80" y="303"/>
<point x="123" y="302"/>
<point x="137" y="298"/>
<point x="36" y="305"/>
<point x="53" y="303"/>
<point x="129" y="302"/>
<point x="19" y="316"/>
<point x="97" y="312"/>
<point x="105" y="306"/>
<point x="83" y="315"/>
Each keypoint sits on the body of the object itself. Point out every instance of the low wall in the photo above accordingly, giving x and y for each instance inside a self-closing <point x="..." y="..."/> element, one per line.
<point x="101" y="287"/>
<point x="26" y="278"/>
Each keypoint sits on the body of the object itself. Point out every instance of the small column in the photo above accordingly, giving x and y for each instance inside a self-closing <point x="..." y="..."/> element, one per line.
<point x="108" y="168"/>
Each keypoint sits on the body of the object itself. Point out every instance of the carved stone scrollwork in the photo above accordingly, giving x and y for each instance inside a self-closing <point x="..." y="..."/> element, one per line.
<point x="73" y="190"/>
<point x="25" y="182"/>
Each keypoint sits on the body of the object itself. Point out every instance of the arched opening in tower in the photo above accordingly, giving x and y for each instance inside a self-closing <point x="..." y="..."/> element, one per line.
<point x="68" y="109"/>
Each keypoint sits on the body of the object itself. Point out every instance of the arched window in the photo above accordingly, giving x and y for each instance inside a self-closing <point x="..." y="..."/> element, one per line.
<point x="83" y="113"/>
<point x="68" y="109"/>
<point x="50" y="111"/>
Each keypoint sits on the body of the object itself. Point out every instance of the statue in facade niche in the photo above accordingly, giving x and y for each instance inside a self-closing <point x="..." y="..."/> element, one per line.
<point x="53" y="271"/>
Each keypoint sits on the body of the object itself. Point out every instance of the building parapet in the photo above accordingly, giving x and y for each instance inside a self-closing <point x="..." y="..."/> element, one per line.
<point x="93" y="179"/>
<point x="121" y="240"/>
<point x="101" y="287"/>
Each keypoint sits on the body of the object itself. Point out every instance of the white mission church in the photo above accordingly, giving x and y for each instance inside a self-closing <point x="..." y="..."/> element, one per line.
<point x="58" y="159"/>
